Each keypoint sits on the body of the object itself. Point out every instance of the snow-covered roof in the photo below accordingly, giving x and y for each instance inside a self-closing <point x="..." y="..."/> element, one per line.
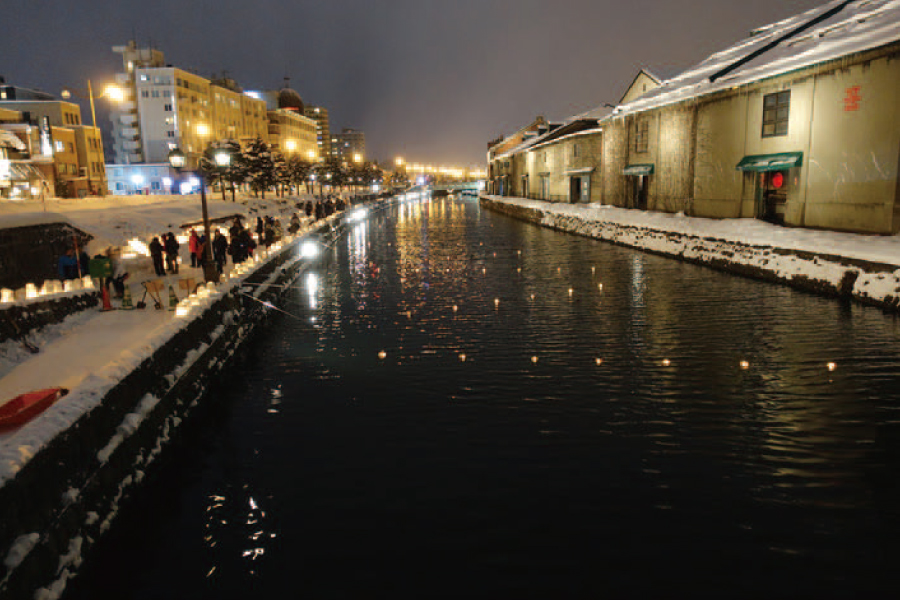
<point x="29" y="219"/>
<point x="830" y="31"/>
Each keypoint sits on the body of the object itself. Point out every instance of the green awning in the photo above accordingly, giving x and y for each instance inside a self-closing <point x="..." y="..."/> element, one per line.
<point x="770" y="162"/>
<point x="639" y="170"/>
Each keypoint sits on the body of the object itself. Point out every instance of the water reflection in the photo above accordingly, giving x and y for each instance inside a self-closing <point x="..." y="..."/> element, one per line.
<point x="487" y="401"/>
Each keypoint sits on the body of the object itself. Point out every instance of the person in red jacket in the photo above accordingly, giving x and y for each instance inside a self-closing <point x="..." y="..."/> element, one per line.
<point x="194" y="247"/>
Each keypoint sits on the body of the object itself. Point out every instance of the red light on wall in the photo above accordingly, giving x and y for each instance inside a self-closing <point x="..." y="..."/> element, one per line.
<point x="777" y="181"/>
<point x="852" y="99"/>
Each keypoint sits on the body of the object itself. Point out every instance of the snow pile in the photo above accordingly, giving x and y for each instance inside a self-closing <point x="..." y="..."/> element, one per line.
<point x="20" y="549"/>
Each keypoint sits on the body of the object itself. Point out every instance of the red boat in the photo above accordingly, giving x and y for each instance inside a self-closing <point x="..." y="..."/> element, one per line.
<point x="25" y="407"/>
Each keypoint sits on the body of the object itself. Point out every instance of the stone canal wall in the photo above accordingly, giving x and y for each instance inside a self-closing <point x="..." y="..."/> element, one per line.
<point x="65" y="496"/>
<point x="866" y="282"/>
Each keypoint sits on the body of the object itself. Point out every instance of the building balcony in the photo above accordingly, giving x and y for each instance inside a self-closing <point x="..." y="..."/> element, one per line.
<point x="128" y="119"/>
<point x="129" y="132"/>
<point x="131" y="145"/>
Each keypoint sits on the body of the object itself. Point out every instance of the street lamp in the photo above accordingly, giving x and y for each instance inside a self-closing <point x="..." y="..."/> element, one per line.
<point x="178" y="160"/>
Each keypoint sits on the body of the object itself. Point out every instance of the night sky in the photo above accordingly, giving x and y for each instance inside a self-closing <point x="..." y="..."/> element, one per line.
<point x="432" y="81"/>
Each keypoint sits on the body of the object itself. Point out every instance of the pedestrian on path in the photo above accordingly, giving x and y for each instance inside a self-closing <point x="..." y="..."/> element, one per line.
<point x="172" y="247"/>
<point x="194" y="247"/>
<point x="220" y="250"/>
<point x="156" y="253"/>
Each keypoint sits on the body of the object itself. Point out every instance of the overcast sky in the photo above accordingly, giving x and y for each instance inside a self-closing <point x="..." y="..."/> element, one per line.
<point x="431" y="80"/>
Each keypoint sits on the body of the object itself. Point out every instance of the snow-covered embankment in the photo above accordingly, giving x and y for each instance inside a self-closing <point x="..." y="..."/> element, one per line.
<point x="816" y="268"/>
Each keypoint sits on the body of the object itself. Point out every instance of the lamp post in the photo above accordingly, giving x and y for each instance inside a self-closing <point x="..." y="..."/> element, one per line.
<point x="111" y="91"/>
<point x="222" y="158"/>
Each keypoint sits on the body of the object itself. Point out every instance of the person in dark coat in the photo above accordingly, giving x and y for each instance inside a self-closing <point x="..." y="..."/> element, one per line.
<point x="220" y="250"/>
<point x="171" y="246"/>
<point x="260" y="228"/>
<point x="235" y="229"/>
<point x="309" y="208"/>
<point x="320" y="211"/>
<point x="156" y="253"/>
<point x="68" y="265"/>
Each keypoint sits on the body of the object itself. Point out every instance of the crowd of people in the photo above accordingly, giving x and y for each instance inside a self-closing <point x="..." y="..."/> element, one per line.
<point x="239" y="243"/>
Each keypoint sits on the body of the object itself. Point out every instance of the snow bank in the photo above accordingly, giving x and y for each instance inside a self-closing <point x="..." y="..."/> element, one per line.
<point x="832" y="263"/>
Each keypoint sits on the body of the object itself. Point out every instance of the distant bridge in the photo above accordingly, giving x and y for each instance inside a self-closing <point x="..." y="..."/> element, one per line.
<point x="446" y="188"/>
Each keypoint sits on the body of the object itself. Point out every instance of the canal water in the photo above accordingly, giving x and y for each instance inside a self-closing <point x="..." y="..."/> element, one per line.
<point x="464" y="405"/>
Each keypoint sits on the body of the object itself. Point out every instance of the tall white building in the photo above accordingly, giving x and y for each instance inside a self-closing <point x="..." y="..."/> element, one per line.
<point x="167" y="107"/>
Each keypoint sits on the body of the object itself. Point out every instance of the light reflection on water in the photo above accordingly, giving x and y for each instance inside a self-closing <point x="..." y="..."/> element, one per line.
<point x="674" y="417"/>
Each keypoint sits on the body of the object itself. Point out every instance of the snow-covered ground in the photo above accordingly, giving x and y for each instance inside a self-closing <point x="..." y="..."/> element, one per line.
<point x="90" y="351"/>
<point x="786" y="254"/>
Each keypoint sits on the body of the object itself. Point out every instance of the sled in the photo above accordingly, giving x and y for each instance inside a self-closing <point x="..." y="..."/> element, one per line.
<point x="25" y="407"/>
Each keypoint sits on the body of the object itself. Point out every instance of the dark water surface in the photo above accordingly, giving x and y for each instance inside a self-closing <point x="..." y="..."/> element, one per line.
<point x="604" y="442"/>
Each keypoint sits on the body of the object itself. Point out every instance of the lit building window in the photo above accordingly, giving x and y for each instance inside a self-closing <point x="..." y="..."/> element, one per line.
<point x="641" y="136"/>
<point x="776" y="114"/>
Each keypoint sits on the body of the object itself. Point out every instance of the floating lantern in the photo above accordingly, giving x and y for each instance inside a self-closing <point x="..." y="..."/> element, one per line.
<point x="532" y="296"/>
<point x="600" y="286"/>
<point x="571" y="291"/>
<point x="745" y="364"/>
<point x="483" y="271"/>
<point x="7" y="296"/>
<point x="496" y="302"/>
<point x="182" y="311"/>
<point x="462" y="358"/>
<point x="87" y="283"/>
<point x="534" y="359"/>
<point x="382" y="355"/>
<point x="455" y="308"/>
<point x="599" y="361"/>
<point x="832" y="366"/>
<point x="519" y="252"/>
<point x="519" y="270"/>
<point x="593" y="270"/>
<point x="666" y="362"/>
<point x="68" y="286"/>
<point x="31" y="290"/>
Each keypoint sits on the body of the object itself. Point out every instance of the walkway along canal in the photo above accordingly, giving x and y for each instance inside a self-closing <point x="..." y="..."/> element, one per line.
<point x="467" y="405"/>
